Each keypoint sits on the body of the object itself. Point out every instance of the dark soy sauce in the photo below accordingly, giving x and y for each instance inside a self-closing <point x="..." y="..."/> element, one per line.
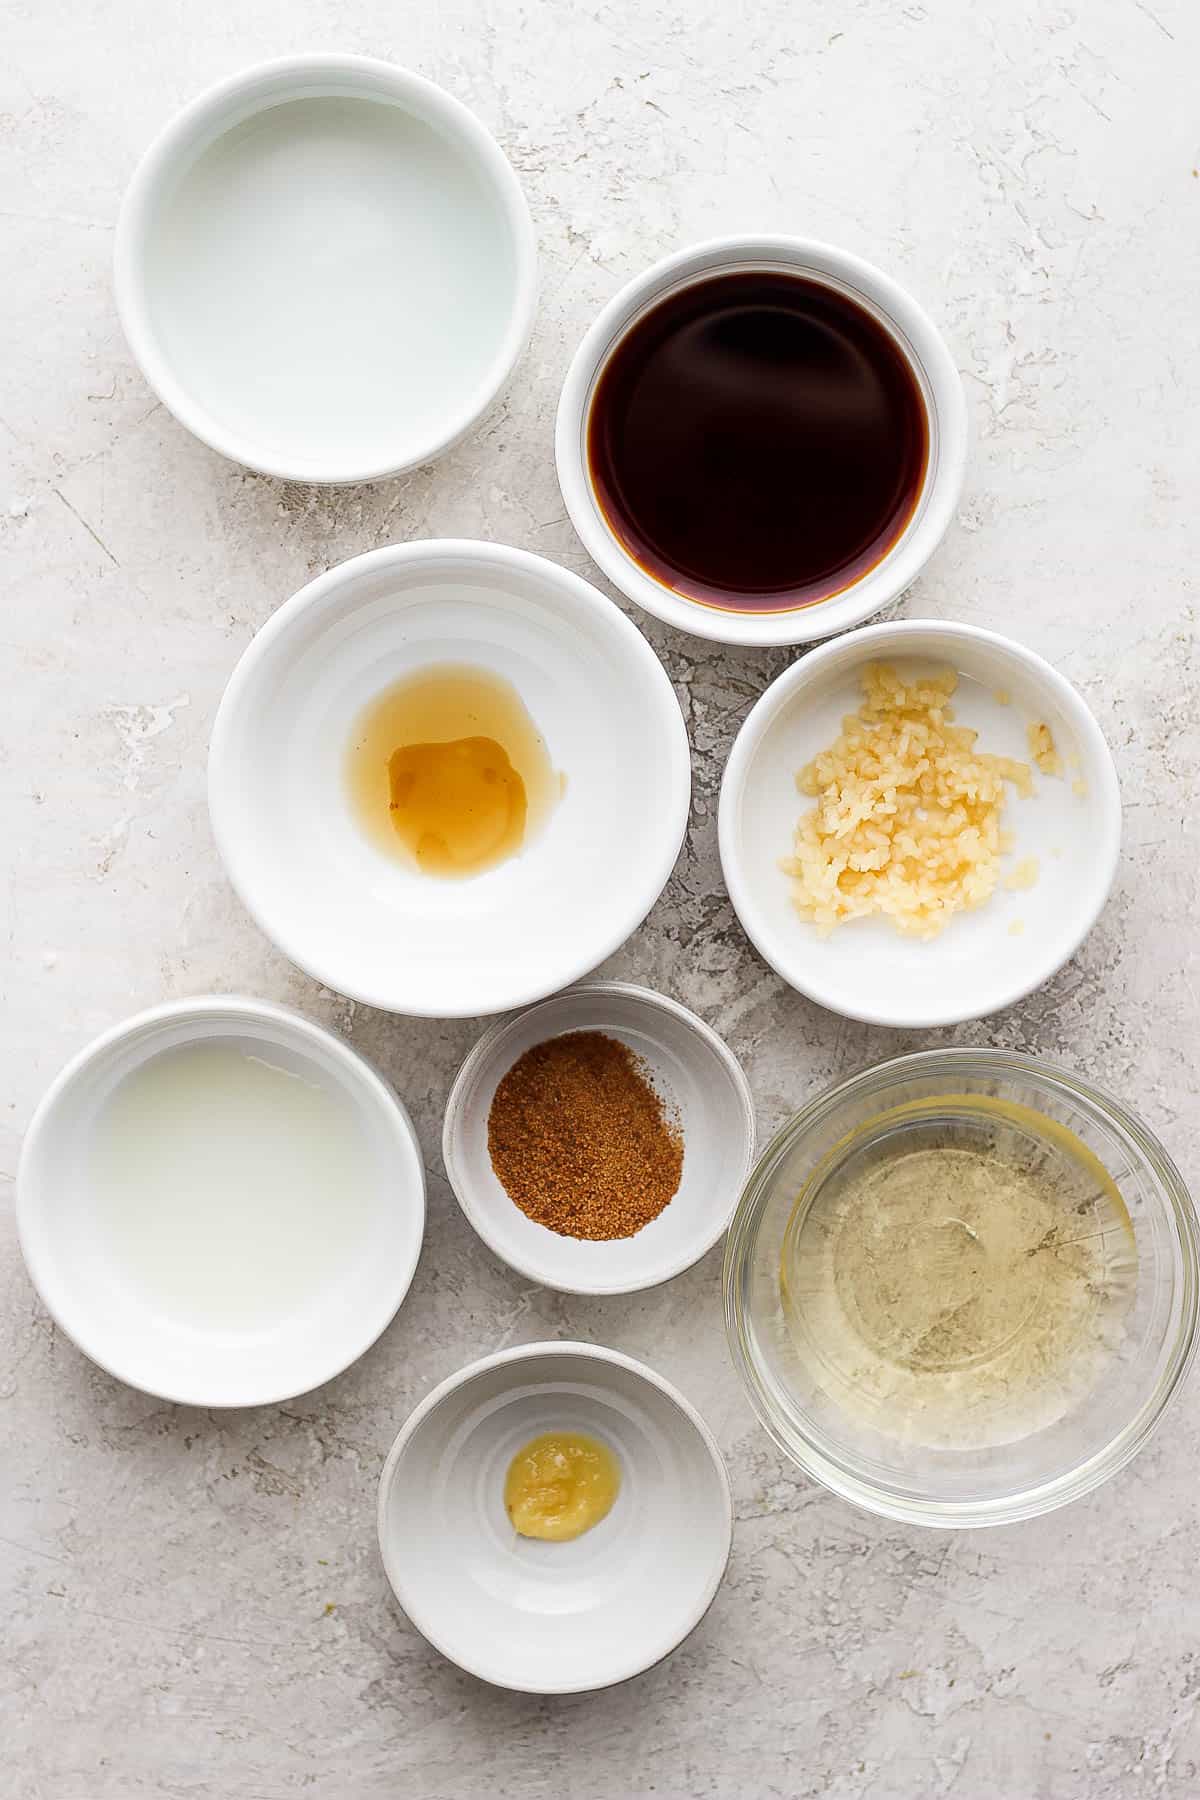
<point x="757" y="441"/>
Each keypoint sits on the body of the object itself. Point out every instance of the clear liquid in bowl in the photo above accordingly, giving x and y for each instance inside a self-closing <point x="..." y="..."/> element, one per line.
<point x="957" y="1273"/>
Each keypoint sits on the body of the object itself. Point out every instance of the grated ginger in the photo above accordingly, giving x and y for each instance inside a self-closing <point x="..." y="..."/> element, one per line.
<point x="907" y="820"/>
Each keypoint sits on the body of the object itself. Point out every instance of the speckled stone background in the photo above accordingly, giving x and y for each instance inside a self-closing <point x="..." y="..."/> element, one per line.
<point x="194" y="1607"/>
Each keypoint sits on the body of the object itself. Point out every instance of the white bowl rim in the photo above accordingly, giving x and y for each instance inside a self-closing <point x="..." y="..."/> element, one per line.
<point x="235" y="1007"/>
<point x="891" y="634"/>
<point x="129" y="273"/>
<point x="478" y="1055"/>
<point x="871" y="591"/>
<point x="522" y="1353"/>
<point x="502" y="557"/>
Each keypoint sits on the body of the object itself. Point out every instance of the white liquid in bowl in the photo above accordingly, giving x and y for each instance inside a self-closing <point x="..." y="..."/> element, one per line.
<point x="228" y="1191"/>
<point x="332" y="280"/>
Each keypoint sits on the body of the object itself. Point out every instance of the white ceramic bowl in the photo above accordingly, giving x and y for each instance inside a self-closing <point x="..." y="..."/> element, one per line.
<point x="866" y="969"/>
<point x="314" y="1295"/>
<point x="936" y="376"/>
<point x="709" y="1096"/>
<point x="326" y="268"/>
<point x="362" y="922"/>
<point x="554" y="1618"/>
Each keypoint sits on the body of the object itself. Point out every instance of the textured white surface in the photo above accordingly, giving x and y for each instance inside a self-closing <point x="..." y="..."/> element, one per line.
<point x="195" y="1606"/>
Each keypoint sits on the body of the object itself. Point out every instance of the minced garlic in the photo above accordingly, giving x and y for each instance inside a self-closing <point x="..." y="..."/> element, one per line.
<point x="1024" y="875"/>
<point x="907" y="820"/>
<point x="1043" y="750"/>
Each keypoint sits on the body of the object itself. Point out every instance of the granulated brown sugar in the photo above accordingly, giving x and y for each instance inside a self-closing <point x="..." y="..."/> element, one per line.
<point x="580" y="1140"/>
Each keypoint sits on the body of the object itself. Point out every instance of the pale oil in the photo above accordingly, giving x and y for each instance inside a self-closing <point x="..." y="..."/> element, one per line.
<point x="447" y="772"/>
<point x="958" y="1272"/>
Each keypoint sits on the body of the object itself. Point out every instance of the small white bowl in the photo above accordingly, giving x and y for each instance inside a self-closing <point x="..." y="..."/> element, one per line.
<point x="927" y="356"/>
<point x="554" y="1618"/>
<point x="326" y="268"/>
<point x="362" y="922"/>
<point x="696" y="1074"/>
<point x="321" y="1293"/>
<point x="866" y="969"/>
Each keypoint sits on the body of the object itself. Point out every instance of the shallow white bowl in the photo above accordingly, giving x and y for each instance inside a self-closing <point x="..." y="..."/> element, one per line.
<point x="866" y="969"/>
<point x="364" y="923"/>
<point x="708" y="1094"/>
<point x="326" y="268"/>
<point x="92" y="1291"/>
<point x="927" y="356"/>
<point x="550" y="1618"/>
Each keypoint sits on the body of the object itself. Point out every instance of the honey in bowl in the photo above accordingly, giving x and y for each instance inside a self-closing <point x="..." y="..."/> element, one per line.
<point x="757" y="441"/>
<point x="447" y="772"/>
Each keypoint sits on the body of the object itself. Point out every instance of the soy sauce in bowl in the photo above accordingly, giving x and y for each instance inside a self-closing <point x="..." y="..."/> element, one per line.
<point x="757" y="441"/>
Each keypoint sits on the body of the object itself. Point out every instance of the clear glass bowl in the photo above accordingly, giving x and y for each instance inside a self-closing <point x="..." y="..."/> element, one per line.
<point x="982" y="1468"/>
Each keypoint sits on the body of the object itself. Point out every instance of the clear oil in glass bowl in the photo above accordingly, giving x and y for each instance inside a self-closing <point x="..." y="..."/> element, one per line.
<point x="957" y="1273"/>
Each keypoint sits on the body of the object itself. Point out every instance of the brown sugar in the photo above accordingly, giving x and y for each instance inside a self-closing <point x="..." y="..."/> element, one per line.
<point x="580" y="1140"/>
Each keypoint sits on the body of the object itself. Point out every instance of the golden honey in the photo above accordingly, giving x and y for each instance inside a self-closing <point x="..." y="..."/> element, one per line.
<point x="447" y="772"/>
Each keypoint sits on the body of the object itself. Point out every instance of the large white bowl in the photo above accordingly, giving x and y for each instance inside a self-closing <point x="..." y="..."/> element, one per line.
<point x="326" y="268"/>
<point x="703" y="1084"/>
<point x="933" y="369"/>
<point x="296" y="1336"/>
<point x="554" y="1618"/>
<point x="386" y="934"/>
<point x="866" y="969"/>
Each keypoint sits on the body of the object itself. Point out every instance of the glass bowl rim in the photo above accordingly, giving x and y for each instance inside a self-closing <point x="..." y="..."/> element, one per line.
<point x="807" y="1449"/>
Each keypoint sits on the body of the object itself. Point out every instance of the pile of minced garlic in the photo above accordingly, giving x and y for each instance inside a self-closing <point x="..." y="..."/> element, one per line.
<point x="907" y="820"/>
